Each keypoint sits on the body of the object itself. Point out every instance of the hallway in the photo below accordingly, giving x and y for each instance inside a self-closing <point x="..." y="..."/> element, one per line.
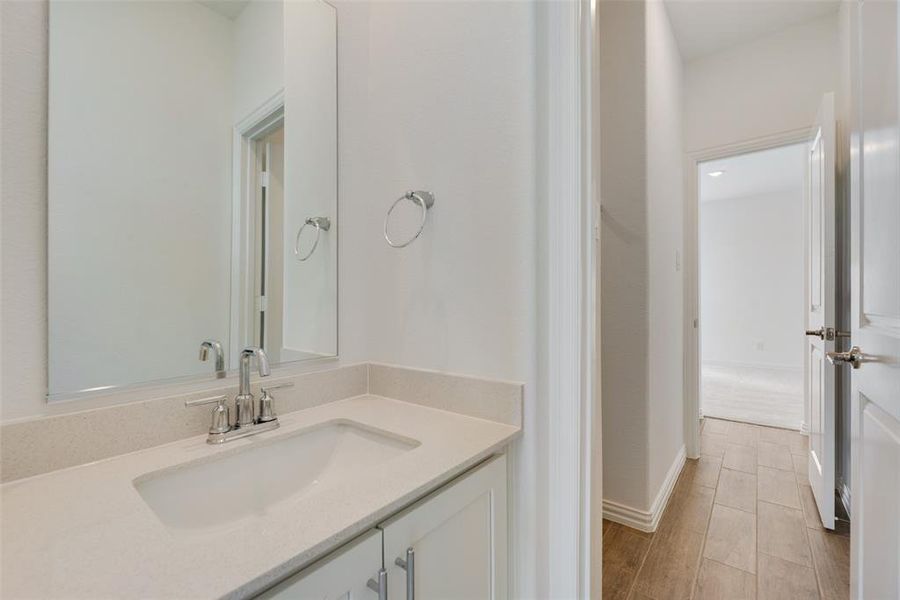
<point x="741" y="523"/>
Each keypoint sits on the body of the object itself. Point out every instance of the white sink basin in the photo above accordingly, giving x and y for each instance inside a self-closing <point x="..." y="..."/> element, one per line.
<point x="213" y="492"/>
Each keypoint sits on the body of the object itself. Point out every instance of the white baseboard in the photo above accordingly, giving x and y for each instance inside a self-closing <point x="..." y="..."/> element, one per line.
<point x="641" y="519"/>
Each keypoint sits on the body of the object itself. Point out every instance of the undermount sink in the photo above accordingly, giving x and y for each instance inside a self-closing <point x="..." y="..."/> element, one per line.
<point x="213" y="492"/>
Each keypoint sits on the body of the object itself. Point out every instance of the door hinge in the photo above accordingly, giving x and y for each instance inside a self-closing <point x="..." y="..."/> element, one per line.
<point x="262" y="303"/>
<point x="264" y="179"/>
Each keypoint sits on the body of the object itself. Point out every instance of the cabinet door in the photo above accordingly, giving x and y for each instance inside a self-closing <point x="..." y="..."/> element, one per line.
<point x="342" y="574"/>
<point x="459" y="538"/>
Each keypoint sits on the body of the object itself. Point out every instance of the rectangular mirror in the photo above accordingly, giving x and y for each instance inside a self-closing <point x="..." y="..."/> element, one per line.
<point x="192" y="187"/>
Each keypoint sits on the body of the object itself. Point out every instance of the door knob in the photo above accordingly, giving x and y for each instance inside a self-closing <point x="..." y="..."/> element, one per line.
<point x="827" y="333"/>
<point x="853" y="357"/>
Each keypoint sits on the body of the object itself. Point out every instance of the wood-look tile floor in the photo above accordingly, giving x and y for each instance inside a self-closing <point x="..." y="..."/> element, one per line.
<point x="741" y="523"/>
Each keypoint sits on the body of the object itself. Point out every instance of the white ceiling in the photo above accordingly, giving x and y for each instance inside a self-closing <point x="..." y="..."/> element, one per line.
<point x="778" y="169"/>
<point x="705" y="26"/>
<point x="227" y="8"/>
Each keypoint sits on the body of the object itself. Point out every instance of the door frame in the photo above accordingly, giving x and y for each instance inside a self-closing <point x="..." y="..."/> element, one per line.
<point x="691" y="317"/>
<point x="556" y="517"/>
<point x="247" y="132"/>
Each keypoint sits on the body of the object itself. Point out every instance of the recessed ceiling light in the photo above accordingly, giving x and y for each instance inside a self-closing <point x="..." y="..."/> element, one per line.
<point x="716" y="173"/>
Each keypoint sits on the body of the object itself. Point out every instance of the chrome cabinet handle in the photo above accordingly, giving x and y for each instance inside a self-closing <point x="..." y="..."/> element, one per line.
<point x="379" y="586"/>
<point x="853" y="357"/>
<point x="409" y="565"/>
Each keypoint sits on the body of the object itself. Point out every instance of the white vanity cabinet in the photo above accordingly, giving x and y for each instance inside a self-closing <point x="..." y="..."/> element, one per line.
<point x="342" y="574"/>
<point x="458" y="537"/>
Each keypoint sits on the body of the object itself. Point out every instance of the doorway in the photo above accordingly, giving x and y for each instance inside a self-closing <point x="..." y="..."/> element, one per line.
<point x="268" y="244"/>
<point x="751" y="264"/>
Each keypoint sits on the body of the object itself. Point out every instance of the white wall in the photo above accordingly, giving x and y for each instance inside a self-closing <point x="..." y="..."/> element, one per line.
<point x="665" y="201"/>
<point x="23" y="177"/>
<point x="748" y="248"/>
<point x="259" y="55"/>
<point x="311" y="176"/>
<point x="767" y="86"/>
<point x="449" y="109"/>
<point x="641" y="193"/>
<point x="137" y="228"/>
<point x="624" y="252"/>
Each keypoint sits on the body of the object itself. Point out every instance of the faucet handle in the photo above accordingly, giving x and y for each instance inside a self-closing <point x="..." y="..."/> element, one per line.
<point x="220" y="418"/>
<point x="277" y="386"/>
<point x="220" y="399"/>
<point x="266" y="404"/>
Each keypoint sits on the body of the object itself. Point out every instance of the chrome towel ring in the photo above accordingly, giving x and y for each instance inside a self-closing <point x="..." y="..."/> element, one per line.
<point x="425" y="200"/>
<point x="321" y="224"/>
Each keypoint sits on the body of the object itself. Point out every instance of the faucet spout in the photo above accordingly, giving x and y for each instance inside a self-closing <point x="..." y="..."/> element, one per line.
<point x="262" y="363"/>
<point x="244" y="400"/>
<point x="216" y="347"/>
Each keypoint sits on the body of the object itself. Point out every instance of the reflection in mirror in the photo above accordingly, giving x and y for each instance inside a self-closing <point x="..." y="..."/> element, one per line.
<point x="177" y="188"/>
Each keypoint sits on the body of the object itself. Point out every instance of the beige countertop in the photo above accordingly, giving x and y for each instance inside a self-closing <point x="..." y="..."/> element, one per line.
<point x="85" y="532"/>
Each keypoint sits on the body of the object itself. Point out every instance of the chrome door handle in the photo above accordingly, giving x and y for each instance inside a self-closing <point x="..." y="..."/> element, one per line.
<point x="379" y="586"/>
<point x="827" y="333"/>
<point x="409" y="565"/>
<point x="853" y="357"/>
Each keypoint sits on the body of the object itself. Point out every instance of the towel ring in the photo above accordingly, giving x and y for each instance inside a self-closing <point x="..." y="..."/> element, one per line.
<point x="321" y="224"/>
<point x="425" y="200"/>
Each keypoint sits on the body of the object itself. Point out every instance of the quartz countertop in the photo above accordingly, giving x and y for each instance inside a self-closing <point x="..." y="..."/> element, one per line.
<point x="85" y="532"/>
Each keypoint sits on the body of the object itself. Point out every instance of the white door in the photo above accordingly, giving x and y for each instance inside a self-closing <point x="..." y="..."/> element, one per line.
<point x="453" y="544"/>
<point x="875" y="307"/>
<point x="343" y="575"/>
<point x="820" y="309"/>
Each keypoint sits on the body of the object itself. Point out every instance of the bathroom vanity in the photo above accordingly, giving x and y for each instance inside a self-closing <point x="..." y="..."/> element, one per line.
<point x="192" y="241"/>
<point x="450" y="544"/>
<point x="322" y="506"/>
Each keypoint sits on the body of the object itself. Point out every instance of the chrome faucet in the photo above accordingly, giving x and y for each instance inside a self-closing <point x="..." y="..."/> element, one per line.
<point x="221" y="429"/>
<point x="216" y="347"/>
<point x="243" y="402"/>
